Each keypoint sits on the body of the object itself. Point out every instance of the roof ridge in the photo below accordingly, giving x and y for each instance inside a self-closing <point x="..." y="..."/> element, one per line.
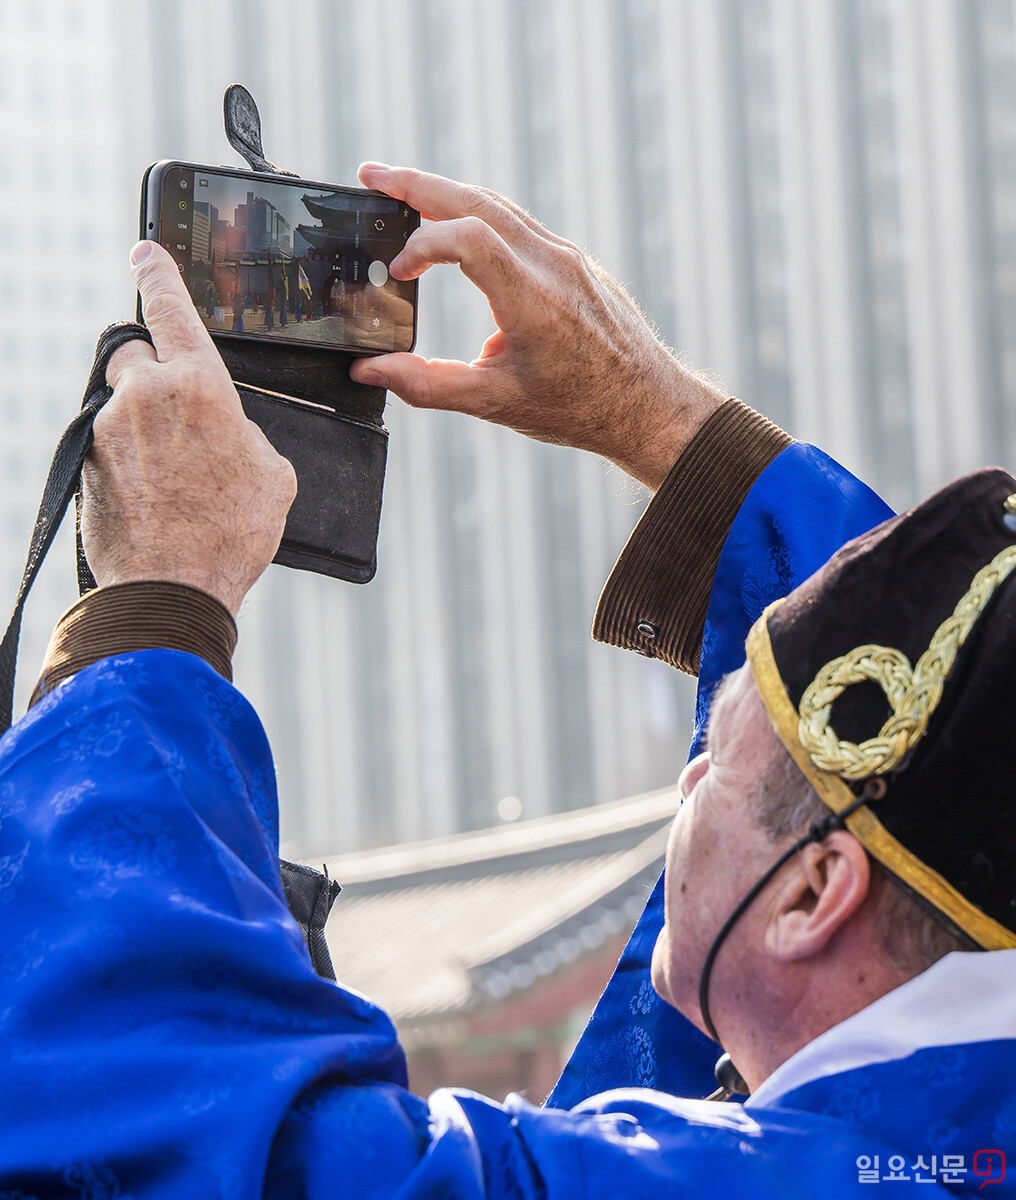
<point x="491" y="845"/>
<point x="528" y="927"/>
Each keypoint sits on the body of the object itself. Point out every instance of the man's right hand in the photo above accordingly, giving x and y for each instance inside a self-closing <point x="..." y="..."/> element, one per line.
<point x="573" y="360"/>
<point x="179" y="485"/>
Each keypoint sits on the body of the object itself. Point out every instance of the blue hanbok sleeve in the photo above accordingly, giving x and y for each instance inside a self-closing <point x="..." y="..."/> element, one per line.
<point x="159" y="1014"/>
<point x="801" y="509"/>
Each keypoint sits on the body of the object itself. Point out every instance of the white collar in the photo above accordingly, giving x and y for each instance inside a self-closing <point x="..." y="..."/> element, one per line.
<point x="962" y="998"/>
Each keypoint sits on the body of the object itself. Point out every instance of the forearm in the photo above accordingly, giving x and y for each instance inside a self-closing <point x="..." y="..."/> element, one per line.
<point x="127" y="617"/>
<point x="656" y="598"/>
<point x="154" y="979"/>
<point x="668" y="404"/>
<point x="799" y="512"/>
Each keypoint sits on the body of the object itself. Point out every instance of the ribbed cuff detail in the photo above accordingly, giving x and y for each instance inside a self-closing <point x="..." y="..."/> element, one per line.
<point x="656" y="598"/>
<point x="148" y="615"/>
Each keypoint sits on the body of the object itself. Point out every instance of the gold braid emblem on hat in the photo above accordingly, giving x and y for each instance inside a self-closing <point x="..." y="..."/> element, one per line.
<point x="913" y="693"/>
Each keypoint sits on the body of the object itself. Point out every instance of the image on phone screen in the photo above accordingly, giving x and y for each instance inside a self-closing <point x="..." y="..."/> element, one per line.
<point x="289" y="260"/>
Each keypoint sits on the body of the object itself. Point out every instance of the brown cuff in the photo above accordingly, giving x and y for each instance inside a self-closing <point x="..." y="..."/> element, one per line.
<point x="151" y="615"/>
<point x="656" y="598"/>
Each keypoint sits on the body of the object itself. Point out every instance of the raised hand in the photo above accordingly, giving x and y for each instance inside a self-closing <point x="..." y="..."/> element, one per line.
<point x="572" y="361"/>
<point x="179" y="485"/>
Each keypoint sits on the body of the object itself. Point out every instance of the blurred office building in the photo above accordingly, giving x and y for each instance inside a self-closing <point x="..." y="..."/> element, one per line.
<point x="815" y="197"/>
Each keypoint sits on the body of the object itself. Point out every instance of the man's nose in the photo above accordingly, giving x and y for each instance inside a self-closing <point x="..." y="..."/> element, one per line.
<point x="692" y="773"/>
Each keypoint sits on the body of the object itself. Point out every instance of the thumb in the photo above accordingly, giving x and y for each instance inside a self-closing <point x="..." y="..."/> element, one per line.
<point x="427" y="383"/>
<point x="169" y="312"/>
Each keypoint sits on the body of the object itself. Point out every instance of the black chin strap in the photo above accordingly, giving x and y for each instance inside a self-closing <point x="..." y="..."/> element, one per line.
<point x="727" y="1075"/>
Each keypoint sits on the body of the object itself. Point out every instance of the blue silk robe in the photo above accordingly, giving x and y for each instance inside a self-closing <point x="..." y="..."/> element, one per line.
<point x="163" y="1034"/>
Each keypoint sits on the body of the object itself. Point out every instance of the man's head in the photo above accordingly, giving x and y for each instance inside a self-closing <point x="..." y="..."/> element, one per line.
<point x="921" y="862"/>
<point x="830" y="934"/>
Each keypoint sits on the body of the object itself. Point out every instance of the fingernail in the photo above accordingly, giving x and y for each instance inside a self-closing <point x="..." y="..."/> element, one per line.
<point x="374" y="166"/>
<point x="140" y="252"/>
<point x="371" y="378"/>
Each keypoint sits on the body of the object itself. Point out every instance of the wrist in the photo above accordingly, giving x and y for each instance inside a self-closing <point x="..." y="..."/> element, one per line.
<point x="215" y="583"/>
<point x="675" y="405"/>
<point x="657" y="596"/>
<point x="193" y="553"/>
<point x="146" y="615"/>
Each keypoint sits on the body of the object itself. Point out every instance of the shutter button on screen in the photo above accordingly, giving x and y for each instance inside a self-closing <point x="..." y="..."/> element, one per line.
<point x="377" y="273"/>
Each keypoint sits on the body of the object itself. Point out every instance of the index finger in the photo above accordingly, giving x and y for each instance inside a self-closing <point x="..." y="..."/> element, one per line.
<point x="126" y="358"/>
<point x="441" y="199"/>
<point x="169" y="312"/>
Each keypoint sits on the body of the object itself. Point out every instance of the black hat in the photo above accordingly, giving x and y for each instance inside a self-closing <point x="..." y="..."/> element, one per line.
<point x="897" y="660"/>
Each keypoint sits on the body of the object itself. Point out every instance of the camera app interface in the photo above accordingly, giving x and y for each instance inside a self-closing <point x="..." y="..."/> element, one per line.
<point x="290" y="261"/>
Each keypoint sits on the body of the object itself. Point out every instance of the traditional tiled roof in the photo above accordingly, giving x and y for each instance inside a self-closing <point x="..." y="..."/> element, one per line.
<point x="439" y="928"/>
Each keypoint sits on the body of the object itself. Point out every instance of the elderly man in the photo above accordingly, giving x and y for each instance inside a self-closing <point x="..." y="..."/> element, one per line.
<point x="163" y="1031"/>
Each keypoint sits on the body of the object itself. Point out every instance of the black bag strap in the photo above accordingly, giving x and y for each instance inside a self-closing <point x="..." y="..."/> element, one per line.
<point x="62" y="483"/>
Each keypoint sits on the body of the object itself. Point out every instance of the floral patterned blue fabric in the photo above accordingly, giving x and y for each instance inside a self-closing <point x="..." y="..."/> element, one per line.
<point x="163" y="1033"/>
<point x="801" y="509"/>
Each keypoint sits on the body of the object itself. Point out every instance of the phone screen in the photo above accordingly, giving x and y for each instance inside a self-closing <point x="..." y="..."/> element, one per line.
<point x="290" y="260"/>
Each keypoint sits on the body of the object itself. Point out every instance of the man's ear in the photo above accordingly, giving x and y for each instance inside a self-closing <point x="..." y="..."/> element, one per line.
<point x="823" y="888"/>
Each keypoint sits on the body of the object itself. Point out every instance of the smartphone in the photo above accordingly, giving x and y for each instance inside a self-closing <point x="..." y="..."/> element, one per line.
<point x="278" y="258"/>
